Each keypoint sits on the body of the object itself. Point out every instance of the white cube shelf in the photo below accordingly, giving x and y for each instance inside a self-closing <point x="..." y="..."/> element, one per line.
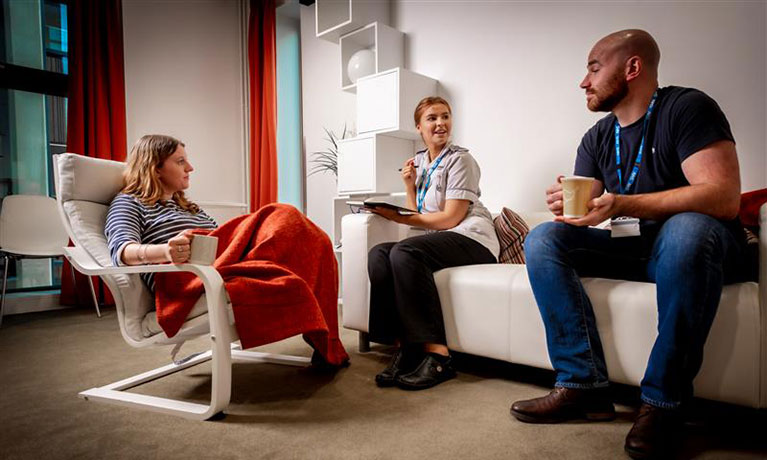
<point x="386" y="101"/>
<point x="387" y="45"/>
<point x="369" y="164"/>
<point x="334" y="18"/>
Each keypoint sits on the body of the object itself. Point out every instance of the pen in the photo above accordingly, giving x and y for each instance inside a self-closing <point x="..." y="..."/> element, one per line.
<point x="400" y="169"/>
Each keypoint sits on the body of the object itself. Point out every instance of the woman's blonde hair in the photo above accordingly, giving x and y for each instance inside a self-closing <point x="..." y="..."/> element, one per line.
<point x="141" y="177"/>
<point x="426" y="103"/>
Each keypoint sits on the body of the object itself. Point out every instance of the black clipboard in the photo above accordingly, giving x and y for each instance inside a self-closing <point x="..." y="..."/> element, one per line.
<point x="367" y="205"/>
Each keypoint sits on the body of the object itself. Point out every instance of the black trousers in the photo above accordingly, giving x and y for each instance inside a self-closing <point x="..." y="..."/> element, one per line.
<point x="404" y="303"/>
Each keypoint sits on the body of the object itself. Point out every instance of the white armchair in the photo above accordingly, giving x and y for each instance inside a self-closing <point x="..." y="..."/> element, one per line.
<point x="85" y="187"/>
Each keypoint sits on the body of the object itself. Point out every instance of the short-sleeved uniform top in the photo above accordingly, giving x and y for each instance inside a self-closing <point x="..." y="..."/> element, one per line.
<point x="131" y="221"/>
<point x="683" y="121"/>
<point x="457" y="177"/>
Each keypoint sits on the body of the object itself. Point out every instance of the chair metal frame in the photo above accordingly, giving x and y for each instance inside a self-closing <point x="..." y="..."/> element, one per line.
<point x="220" y="330"/>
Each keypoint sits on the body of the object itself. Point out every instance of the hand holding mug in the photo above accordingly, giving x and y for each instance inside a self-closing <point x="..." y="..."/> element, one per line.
<point x="554" y="197"/>
<point x="179" y="248"/>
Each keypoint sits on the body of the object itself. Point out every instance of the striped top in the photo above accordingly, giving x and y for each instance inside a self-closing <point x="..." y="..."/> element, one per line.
<point x="131" y="221"/>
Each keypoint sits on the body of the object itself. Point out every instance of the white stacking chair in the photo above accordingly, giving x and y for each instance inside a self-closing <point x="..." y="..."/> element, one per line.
<point x="30" y="228"/>
<point x="85" y="188"/>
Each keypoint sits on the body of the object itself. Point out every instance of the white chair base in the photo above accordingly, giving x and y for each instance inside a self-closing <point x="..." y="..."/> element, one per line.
<point x="115" y="393"/>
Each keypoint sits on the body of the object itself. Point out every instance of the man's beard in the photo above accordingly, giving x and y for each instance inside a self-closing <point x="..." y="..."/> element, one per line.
<point x="606" y="99"/>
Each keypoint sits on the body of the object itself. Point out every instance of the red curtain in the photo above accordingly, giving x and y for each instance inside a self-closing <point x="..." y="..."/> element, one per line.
<point x="262" y="54"/>
<point x="96" y="106"/>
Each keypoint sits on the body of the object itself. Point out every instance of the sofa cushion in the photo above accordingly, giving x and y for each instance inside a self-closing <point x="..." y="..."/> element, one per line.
<point x="511" y="230"/>
<point x="750" y="203"/>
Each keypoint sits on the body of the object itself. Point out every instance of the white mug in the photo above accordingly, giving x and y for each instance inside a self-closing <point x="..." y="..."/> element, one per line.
<point x="204" y="249"/>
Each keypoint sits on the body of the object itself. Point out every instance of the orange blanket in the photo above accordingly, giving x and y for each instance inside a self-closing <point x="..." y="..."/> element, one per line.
<point x="281" y="276"/>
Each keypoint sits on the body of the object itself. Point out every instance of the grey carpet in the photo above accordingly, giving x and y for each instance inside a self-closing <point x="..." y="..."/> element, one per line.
<point x="284" y="412"/>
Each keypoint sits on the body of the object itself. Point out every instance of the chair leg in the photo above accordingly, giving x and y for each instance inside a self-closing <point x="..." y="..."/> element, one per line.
<point x="90" y="285"/>
<point x="5" y="281"/>
<point x="363" y="343"/>
<point x="93" y="295"/>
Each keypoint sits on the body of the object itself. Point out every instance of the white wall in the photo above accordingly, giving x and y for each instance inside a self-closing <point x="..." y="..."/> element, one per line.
<point x="511" y="71"/>
<point x="324" y="105"/>
<point x="184" y="76"/>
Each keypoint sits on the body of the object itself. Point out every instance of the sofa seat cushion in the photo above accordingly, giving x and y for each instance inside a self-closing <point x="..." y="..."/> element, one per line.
<point x="476" y="307"/>
<point x="490" y="310"/>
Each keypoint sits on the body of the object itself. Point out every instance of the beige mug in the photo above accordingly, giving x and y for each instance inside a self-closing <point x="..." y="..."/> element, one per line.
<point x="204" y="249"/>
<point x="576" y="193"/>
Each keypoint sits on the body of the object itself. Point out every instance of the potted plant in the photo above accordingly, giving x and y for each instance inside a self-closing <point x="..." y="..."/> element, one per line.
<point x="327" y="160"/>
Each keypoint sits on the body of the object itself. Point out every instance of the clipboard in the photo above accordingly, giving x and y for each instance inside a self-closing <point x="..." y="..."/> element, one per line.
<point x="367" y="205"/>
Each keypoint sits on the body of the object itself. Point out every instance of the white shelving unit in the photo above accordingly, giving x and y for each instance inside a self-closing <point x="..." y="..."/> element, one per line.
<point x="387" y="44"/>
<point x="385" y="102"/>
<point x="334" y="18"/>
<point x="369" y="164"/>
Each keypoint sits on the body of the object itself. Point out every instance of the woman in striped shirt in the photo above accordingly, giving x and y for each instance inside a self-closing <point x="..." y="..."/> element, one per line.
<point x="150" y="220"/>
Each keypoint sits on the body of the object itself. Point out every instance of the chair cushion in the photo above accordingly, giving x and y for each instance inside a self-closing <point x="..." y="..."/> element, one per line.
<point x="150" y="327"/>
<point x="511" y="230"/>
<point x="99" y="180"/>
<point x="87" y="220"/>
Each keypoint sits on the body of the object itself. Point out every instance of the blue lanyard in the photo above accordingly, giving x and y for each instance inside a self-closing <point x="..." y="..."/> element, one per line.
<point x="635" y="170"/>
<point x="423" y="187"/>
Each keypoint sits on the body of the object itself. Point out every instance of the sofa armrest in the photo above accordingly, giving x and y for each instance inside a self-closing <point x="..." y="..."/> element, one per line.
<point x="359" y="233"/>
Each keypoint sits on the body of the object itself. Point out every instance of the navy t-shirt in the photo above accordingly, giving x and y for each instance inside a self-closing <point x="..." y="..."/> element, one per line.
<point x="684" y="121"/>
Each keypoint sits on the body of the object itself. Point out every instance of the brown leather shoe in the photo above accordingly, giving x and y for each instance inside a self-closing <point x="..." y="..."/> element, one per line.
<point x="653" y="433"/>
<point x="564" y="404"/>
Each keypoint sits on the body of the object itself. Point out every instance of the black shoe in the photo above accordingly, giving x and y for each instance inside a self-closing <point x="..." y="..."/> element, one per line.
<point x="320" y="364"/>
<point x="654" y="433"/>
<point x="400" y="363"/>
<point x="429" y="373"/>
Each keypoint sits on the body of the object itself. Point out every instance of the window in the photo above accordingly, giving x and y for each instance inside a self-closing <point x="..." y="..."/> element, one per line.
<point x="33" y="84"/>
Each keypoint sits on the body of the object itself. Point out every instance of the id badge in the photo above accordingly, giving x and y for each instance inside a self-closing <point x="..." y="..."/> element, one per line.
<point x="621" y="227"/>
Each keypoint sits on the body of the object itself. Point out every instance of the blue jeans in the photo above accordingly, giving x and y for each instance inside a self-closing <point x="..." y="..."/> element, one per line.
<point x="689" y="258"/>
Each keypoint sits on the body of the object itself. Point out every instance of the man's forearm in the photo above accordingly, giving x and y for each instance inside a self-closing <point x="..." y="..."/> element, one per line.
<point x="718" y="201"/>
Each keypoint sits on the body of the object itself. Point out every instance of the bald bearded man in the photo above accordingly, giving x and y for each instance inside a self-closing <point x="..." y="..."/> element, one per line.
<point x="666" y="156"/>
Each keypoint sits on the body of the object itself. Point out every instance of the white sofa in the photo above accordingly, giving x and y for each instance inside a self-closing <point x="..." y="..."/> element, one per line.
<point x="489" y="310"/>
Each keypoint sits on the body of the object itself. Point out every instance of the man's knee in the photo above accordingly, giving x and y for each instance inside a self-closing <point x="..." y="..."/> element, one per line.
<point x="690" y="238"/>
<point x="543" y="237"/>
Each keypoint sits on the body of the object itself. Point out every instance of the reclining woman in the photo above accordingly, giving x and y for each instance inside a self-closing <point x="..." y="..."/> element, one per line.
<point x="278" y="289"/>
<point x="442" y="183"/>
